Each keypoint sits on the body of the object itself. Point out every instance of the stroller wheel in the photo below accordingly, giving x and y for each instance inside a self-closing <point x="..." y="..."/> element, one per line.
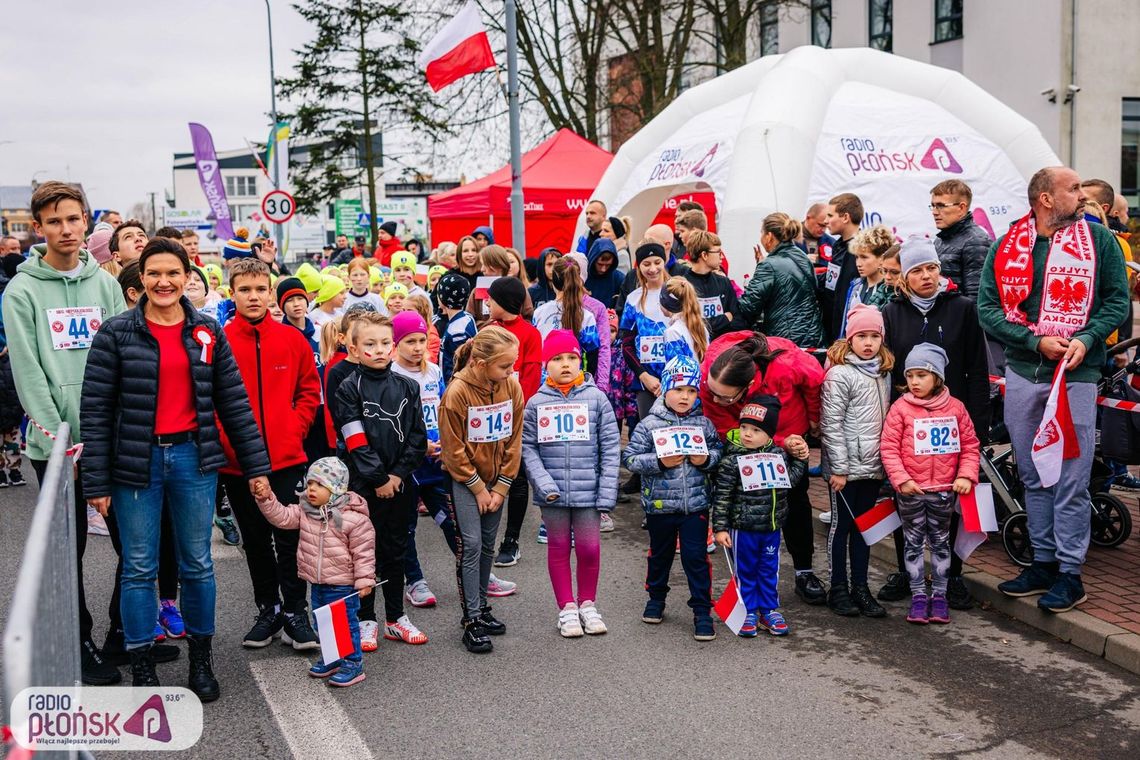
<point x="1015" y="539"/>
<point x="1111" y="522"/>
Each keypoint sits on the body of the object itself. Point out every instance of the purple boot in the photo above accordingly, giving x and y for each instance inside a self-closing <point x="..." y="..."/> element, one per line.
<point x="939" y="610"/>
<point x="919" y="610"/>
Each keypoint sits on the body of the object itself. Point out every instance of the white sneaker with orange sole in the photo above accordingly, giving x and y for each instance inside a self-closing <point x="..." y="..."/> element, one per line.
<point x="403" y="630"/>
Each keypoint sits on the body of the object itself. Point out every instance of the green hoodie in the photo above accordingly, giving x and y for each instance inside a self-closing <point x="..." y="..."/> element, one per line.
<point x="49" y="381"/>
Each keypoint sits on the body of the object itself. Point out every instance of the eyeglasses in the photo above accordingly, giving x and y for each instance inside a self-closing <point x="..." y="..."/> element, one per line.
<point x="726" y="400"/>
<point x="944" y="206"/>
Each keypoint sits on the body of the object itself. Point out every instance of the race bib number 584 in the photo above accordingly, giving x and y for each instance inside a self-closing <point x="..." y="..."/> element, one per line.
<point x="74" y="327"/>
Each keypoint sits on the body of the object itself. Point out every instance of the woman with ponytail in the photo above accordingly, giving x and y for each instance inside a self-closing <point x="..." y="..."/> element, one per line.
<point x="743" y="364"/>
<point x="781" y="295"/>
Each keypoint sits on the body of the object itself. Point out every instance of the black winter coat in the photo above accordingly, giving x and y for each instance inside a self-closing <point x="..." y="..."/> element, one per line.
<point x="120" y="392"/>
<point x="962" y="249"/>
<point x="714" y="285"/>
<point x="385" y="407"/>
<point x="952" y="324"/>
<point x="762" y="511"/>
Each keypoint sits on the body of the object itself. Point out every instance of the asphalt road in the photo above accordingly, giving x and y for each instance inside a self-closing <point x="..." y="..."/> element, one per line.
<point x="983" y="687"/>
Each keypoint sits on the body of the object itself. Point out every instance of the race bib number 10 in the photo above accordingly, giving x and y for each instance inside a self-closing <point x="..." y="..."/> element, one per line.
<point x="936" y="435"/>
<point x="487" y="424"/>
<point x="558" y="423"/>
<point x="74" y="327"/>
<point x="762" y="470"/>
<point x="679" y="440"/>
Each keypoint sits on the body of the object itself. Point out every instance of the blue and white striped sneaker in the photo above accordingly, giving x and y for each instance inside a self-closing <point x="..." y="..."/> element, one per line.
<point x="775" y="623"/>
<point x="748" y="630"/>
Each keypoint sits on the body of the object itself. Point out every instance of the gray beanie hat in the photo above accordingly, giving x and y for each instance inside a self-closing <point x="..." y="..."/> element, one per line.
<point x="331" y="473"/>
<point x="929" y="357"/>
<point x="916" y="251"/>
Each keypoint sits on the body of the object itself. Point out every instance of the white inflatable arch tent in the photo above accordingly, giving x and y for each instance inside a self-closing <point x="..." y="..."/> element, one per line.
<point x="788" y="130"/>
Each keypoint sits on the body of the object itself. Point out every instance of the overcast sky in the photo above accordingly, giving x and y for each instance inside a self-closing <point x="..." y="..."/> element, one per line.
<point x="101" y="92"/>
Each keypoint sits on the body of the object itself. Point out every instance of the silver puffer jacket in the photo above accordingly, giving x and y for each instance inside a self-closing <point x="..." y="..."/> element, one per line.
<point x="853" y="407"/>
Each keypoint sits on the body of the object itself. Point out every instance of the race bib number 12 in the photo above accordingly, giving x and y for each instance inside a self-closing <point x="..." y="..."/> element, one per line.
<point x="558" y="423"/>
<point x="487" y="424"/>
<point x="74" y="327"/>
<point x="679" y="440"/>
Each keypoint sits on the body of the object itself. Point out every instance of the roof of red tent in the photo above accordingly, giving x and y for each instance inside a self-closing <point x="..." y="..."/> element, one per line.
<point x="564" y="163"/>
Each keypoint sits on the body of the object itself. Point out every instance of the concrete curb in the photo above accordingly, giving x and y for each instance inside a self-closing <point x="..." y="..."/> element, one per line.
<point x="1115" y="644"/>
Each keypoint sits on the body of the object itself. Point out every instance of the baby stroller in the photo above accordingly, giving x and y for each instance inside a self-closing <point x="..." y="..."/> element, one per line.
<point x="1118" y="431"/>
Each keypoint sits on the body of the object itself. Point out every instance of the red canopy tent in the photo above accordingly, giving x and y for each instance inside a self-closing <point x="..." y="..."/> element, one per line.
<point x="558" y="177"/>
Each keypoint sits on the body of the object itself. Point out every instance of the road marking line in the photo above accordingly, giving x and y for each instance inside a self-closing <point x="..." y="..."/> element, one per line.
<point x="293" y="705"/>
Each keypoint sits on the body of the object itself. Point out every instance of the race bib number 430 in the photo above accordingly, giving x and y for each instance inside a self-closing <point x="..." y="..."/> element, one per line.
<point x="487" y="424"/>
<point x="679" y="440"/>
<point x="74" y="327"/>
<point x="558" y="423"/>
<point x="936" y="435"/>
<point x="762" y="470"/>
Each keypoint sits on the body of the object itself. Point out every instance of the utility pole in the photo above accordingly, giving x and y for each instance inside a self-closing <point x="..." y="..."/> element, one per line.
<point x="153" y="216"/>
<point x="518" y="219"/>
<point x="277" y="232"/>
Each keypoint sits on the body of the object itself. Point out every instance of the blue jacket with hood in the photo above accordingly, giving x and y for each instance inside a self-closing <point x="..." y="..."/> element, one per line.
<point x="604" y="287"/>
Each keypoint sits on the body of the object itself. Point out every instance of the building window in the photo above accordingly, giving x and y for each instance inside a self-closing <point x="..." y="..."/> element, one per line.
<point x="1130" y="151"/>
<point x="879" y="14"/>
<point x="947" y="20"/>
<point x="769" y="28"/>
<point x="241" y="186"/>
<point x="821" y="23"/>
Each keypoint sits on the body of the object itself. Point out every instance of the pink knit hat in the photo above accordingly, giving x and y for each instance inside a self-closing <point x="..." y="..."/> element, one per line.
<point x="560" y="342"/>
<point x="864" y="318"/>
<point x="99" y="245"/>
<point x="406" y="323"/>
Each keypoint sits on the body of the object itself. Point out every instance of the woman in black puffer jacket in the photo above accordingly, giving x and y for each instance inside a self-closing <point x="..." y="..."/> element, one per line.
<point x="158" y="378"/>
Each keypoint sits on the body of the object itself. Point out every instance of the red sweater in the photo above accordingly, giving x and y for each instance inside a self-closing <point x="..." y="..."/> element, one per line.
<point x="280" y="376"/>
<point x="175" y="411"/>
<point x="794" y="377"/>
<point x="529" y="363"/>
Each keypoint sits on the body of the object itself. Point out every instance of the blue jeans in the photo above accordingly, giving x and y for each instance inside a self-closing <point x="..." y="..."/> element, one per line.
<point x="175" y="476"/>
<point x="436" y="496"/>
<point x="322" y="594"/>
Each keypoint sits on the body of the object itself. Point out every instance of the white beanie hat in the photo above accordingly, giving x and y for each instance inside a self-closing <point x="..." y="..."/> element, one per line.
<point x="917" y="251"/>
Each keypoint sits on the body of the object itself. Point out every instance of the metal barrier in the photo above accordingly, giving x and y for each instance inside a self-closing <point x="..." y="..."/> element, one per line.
<point x="41" y="639"/>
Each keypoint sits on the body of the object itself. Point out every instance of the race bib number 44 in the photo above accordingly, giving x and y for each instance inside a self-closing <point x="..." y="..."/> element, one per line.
<point x="936" y="435"/>
<point x="762" y="470"/>
<point x="651" y="349"/>
<point x="558" y="423"/>
<point x="679" y="440"/>
<point x="487" y="424"/>
<point x="74" y="327"/>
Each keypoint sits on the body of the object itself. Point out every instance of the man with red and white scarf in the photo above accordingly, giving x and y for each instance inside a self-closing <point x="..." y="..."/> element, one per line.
<point x="1053" y="289"/>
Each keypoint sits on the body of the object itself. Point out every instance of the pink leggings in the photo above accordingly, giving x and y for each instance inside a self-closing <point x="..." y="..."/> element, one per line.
<point x="587" y="545"/>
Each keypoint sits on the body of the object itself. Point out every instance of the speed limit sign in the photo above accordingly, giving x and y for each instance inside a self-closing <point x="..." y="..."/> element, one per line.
<point x="278" y="206"/>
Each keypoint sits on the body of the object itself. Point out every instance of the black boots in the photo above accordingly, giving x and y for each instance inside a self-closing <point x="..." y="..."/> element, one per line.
<point x="475" y="636"/>
<point x="142" y="667"/>
<point x="492" y="626"/>
<point x="202" y="681"/>
<point x="839" y="601"/>
<point x="866" y="603"/>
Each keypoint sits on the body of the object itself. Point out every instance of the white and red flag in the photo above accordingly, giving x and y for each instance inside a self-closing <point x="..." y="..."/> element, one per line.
<point x="730" y="606"/>
<point x="878" y="522"/>
<point x="978" y="519"/>
<point x="333" y="631"/>
<point x="1056" y="438"/>
<point x="460" y="48"/>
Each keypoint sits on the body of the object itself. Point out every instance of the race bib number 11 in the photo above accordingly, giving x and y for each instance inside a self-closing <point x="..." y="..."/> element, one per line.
<point x="679" y="440"/>
<point x="487" y="424"/>
<point x="762" y="470"/>
<point x="74" y="327"/>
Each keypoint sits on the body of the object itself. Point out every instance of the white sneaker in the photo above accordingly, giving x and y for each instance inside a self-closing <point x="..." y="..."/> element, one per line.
<point x="607" y="523"/>
<point x="419" y="595"/>
<point x="404" y="630"/>
<point x="96" y="525"/>
<point x="569" y="626"/>
<point x="591" y="620"/>
<point x="369" y="635"/>
<point x="825" y="518"/>
<point x="500" y="587"/>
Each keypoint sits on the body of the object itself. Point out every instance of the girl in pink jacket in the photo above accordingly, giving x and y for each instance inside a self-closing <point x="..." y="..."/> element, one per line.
<point x="930" y="453"/>
<point x="336" y="552"/>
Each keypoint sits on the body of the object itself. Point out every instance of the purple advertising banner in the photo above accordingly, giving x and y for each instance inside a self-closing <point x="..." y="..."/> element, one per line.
<point x="211" y="179"/>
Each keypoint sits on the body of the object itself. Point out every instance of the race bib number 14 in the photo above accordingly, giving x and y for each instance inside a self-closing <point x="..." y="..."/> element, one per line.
<point x="487" y="424"/>
<point x="74" y="327"/>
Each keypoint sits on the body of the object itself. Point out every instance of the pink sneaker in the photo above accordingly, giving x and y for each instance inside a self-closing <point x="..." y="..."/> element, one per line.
<point x="919" y="610"/>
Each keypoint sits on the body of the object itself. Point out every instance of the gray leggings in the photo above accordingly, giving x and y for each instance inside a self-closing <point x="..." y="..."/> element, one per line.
<point x="475" y="548"/>
<point x="926" y="519"/>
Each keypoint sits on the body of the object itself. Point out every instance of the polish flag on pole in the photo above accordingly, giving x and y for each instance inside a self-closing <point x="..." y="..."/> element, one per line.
<point x="878" y="522"/>
<point x="1056" y="438"/>
<point x="978" y="519"/>
<point x="332" y="630"/>
<point x="460" y="48"/>
<point x="730" y="606"/>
